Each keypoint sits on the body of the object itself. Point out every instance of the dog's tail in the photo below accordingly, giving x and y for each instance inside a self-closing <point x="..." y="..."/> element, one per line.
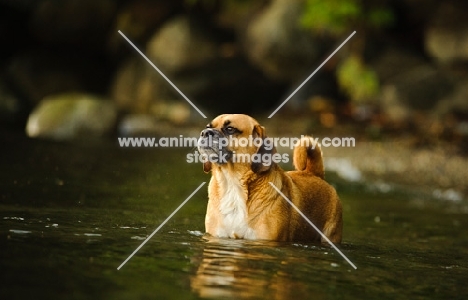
<point x="308" y="157"/>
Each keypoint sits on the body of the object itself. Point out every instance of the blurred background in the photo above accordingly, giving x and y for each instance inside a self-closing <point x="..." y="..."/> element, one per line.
<point x="406" y="68"/>
<point x="67" y="74"/>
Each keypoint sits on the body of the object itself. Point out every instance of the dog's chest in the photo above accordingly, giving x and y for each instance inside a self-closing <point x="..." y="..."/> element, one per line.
<point x="233" y="212"/>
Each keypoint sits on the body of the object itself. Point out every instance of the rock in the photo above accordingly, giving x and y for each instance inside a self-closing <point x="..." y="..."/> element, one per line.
<point x="419" y="89"/>
<point x="176" y="112"/>
<point x="137" y="87"/>
<point x="182" y="43"/>
<point x="393" y="61"/>
<point x="186" y="53"/>
<point x="409" y="84"/>
<point x="446" y="37"/>
<point x="70" y="116"/>
<point x="277" y="44"/>
<point x="72" y="22"/>
<point x="456" y="102"/>
<point x="138" y="20"/>
<point x="230" y="85"/>
<point x="235" y="15"/>
<point x="179" y="46"/>
<point x="138" y="124"/>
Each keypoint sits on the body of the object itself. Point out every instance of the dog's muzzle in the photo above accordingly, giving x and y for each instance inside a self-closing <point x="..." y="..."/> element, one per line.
<point x="210" y="144"/>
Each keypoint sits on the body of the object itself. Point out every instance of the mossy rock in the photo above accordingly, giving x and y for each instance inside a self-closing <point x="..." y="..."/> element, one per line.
<point x="70" y="116"/>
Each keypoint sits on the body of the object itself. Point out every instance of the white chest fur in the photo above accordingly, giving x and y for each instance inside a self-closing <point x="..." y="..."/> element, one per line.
<point x="233" y="210"/>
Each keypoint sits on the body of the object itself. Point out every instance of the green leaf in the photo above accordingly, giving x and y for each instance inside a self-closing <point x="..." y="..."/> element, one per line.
<point x="357" y="80"/>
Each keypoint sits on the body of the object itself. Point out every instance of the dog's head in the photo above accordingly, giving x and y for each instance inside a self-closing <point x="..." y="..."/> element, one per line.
<point x="235" y="139"/>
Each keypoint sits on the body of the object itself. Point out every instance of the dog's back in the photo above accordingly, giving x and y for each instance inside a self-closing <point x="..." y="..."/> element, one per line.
<point x="320" y="203"/>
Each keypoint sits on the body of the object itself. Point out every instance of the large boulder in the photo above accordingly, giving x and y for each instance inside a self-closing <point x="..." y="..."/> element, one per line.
<point x="137" y="87"/>
<point x="409" y="84"/>
<point x="456" y="102"/>
<point x="180" y="44"/>
<point x="276" y="42"/>
<point x="185" y="52"/>
<point x="138" y="20"/>
<point x="70" y="116"/>
<point x="419" y="89"/>
<point x="446" y="37"/>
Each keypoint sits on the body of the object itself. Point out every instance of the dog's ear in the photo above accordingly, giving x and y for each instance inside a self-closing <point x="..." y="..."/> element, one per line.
<point x="207" y="166"/>
<point x="259" y="167"/>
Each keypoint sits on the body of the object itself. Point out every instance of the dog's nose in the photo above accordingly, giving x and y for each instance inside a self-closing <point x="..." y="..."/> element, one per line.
<point x="207" y="132"/>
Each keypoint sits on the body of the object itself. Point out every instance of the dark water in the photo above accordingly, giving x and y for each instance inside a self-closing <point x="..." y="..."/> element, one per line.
<point x="71" y="214"/>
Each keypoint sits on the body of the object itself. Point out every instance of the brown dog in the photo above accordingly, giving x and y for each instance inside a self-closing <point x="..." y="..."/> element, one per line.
<point x="242" y="203"/>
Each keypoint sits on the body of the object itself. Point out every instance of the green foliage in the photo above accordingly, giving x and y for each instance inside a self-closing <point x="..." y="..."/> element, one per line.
<point x="357" y="80"/>
<point x="333" y="16"/>
<point x="337" y="16"/>
<point x="379" y="17"/>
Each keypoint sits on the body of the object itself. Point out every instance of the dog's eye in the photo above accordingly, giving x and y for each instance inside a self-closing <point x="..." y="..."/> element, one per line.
<point x="230" y="130"/>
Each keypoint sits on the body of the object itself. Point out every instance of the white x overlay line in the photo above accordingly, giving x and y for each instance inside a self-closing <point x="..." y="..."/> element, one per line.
<point x="162" y="74"/>
<point x="160" y="226"/>
<point x="312" y="224"/>
<point x="313" y="73"/>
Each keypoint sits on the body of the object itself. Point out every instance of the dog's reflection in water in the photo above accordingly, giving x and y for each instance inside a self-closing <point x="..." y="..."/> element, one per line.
<point x="237" y="269"/>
